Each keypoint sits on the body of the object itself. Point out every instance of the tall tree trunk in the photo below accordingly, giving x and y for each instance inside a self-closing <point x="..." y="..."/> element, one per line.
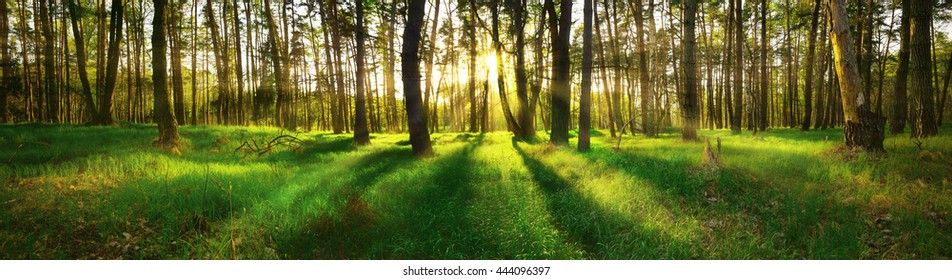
<point x="945" y="91"/>
<point x="689" y="104"/>
<point x="416" y="121"/>
<point x="522" y="81"/>
<point x="6" y="84"/>
<point x="811" y="58"/>
<point x="221" y="64"/>
<point x="765" y="71"/>
<point x="239" y="75"/>
<point x="561" y="91"/>
<point x="49" y="78"/>
<point x="738" y="68"/>
<point x="511" y="123"/>
<point x="361" y="134"/>
<point x="168" y="129"/>
<point x="920" y="66"/>
<point x="175" y="44"/>
<point x="335" y="20"/>
<point x="585" y="102"/>
<point x="430" y="53"/>
<point x="470" y="24"/>
<point x="647" y="116"/>
<point x="115" y="37"/>
<point x="194" y="70"/>
<point x="863" y="128"/>
<point x="897" y="123"/>
<point x="80" y="48"/>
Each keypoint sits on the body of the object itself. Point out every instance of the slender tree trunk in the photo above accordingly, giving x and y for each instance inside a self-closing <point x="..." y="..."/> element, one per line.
<point x="897" y="123"/>
<point x="511" y="123"/>
<point x="738" y="68"/>
<point x="115" y="37"/>
<point x="416" y="121"/>
<point x="49" y="78"/>
<point x="175" y="44"/>
<point x="168" y="129"/>
<point x="239" y="74"/>
<point x="6" y="84"/>
<point x="194" y="70"/>
<point x="689" y="106"/>
<point x="361" y="134"/>
<point x="765" y="71"/>
<point x="561" y="91"/>
<point x="863" y="128"/>
<point x="585" y="102"/>
<point x="811" y="58"/>
<point x="647" y="116"/>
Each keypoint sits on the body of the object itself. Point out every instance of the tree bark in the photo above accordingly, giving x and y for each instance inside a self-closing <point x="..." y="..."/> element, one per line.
<point x="647" y="116"/>
<point x="361" y="134"/>
<point x="811" y="58"/>
<point x="897" y="123"/>
<point x="920" y="66"/>
<point x="561" y="92"/>
<point x="689" y="102"/>
<point x="738" y="68"/>
<point x="416" y="121"/>
<point x="168" y="129"/>
<point x="585" y="101"/>
<point x="863" y="128"/>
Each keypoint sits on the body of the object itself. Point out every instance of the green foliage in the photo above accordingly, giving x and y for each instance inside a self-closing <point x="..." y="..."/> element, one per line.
<point x="105" y="192"/>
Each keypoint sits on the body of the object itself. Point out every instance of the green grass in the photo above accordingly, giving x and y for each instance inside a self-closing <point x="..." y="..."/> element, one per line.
<point x="106" y="192"/>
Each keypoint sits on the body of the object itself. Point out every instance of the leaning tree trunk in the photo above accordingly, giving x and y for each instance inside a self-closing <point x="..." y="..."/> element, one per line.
<point x="410" y="64"/>
<point x="863" y="128"/>
<point x="168" y="129"/>
<point x="361" y="135"/>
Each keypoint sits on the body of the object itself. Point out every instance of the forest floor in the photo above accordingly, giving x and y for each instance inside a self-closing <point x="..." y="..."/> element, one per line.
<point x="72" y="192"/>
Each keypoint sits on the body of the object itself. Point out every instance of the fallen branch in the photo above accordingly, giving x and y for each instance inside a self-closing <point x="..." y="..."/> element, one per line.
<point x="252" y="146"/>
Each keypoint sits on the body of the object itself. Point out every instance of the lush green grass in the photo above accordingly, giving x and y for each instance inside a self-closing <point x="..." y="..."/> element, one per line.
<point x="105" y="192"/>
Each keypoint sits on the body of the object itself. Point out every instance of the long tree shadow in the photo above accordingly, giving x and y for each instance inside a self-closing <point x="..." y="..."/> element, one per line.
<point x="600" y="233"/>
<point x="343" y="232"/>
<point x="739" y="210"/>
<point x="432" y="218"/>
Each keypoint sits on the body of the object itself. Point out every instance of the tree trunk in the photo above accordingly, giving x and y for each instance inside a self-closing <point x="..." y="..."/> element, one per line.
<point x="863" y="128"/>
<point x="647" y="116"/>
<point x="168" y="129"/>
<point x="811" y="58"/>
<point x="6" y="84"/>
<point x="585" y="102"/>
<point x="175" y="44"/>
<point x="897" y="123"/>
<point x="416" y="121"/>
<point x="49" y="78"/>
<point x="115" y="36"/>
<point x="561" y="91"/>
<point x="738" y="68"/>
<point x="239" y="75"/>
<point x="522" y="81"/>
<point x="689" y="106"/>
<point x="511" y="123"/>
<point x="361" y="135"/>
<point x="920" y="66"/>
<point x="470" y="23"/>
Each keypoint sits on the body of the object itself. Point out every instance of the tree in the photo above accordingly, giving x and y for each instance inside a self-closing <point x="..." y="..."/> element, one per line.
<point x="361" y="134"/>
<point x="101" y="114"/>
<point x="410" y="64"/>
<point x="811" y="58"/>
<point x="522" y="92"/>
<point x="585" y="102"/>
<point x="561" y="91"/>
<point x="689" y="101"/>
<point x="738" y="68"/>
<point x="49" y="77"/>
<point x="863" y="128"/>
<point x="647" y="119"/>
<point x="168" y="129"/>
<point x="920" y="66"/>
<point x="175" y="46"/>
<point x="897" y="122"/>
<point x="6" y="84"/>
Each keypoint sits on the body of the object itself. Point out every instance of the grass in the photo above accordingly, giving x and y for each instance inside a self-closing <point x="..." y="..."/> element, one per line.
<point x="106" y="193"/>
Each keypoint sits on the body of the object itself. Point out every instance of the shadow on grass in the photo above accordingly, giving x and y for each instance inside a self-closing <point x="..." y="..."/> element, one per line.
<point x="586" y="224"/>
<point x="344" y="232"/>
<point x="746" y="217"/>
